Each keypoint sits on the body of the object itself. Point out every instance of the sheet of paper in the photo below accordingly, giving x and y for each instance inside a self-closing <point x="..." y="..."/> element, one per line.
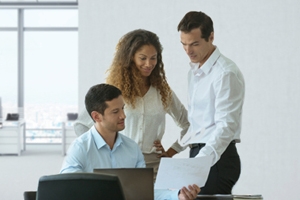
<point x="174" y="173"/>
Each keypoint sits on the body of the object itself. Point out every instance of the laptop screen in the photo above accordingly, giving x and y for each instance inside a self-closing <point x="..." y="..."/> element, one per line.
<point x="137" y="183"/>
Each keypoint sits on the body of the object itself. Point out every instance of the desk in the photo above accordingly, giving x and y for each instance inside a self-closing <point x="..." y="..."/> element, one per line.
<point x="229" y="197"/>
<point x="65" y="136"/>
<point x="12" y="137"/>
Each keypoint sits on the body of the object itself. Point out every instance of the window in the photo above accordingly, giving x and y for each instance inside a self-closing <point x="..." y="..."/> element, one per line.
<point x="10" y="17"/>
<point x="49" y="45"/>
<point x="8" y="72"/>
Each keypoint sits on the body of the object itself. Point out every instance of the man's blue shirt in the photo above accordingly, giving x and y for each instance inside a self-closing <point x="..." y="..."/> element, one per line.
<point x="90" y="151"/>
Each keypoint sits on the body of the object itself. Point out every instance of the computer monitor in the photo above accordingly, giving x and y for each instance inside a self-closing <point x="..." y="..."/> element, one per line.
<point x="79" y="186"/>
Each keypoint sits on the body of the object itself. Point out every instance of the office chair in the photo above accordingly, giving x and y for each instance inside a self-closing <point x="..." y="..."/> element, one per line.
<point x="79" y="186"/>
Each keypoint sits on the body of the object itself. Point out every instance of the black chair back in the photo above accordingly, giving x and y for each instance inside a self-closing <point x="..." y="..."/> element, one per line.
<point x="79" y="186"/>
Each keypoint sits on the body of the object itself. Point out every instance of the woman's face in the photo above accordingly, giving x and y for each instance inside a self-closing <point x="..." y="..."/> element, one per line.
<point x="145" y="59"/>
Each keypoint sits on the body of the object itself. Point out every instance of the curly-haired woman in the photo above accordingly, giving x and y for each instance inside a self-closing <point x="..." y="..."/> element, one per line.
<point x="138" y="71"/>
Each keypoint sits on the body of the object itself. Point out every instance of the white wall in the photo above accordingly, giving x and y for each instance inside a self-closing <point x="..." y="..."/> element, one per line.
<point x="262" y="37"/>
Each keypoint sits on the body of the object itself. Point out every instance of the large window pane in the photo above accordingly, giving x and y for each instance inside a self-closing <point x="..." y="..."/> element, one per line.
<point x="10" y="16"/>
<point x="8" y="72"/>
<point x="51" y="18"/>
<point x="51" y="78"/>
<point x="50" y="69"/>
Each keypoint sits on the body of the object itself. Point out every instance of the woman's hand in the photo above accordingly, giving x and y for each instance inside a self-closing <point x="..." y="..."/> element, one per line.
<point x="159" y="148"/>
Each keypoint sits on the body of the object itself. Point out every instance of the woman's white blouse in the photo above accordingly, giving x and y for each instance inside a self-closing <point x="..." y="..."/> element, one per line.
<point x="146" y="122"/>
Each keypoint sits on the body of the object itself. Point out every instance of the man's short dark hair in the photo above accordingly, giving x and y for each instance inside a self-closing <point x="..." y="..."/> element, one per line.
<point x="195" y="19"/>
<point x="96" y="97"/>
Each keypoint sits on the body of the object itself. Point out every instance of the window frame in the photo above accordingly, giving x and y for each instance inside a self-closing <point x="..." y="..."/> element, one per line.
<point x="20" y="29"/>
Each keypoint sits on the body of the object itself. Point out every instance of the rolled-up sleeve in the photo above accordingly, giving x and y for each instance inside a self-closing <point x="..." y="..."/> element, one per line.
<point x="179" y="114"/>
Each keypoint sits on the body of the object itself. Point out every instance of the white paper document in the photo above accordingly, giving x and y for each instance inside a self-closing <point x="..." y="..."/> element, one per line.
<point x="174" y="173"/>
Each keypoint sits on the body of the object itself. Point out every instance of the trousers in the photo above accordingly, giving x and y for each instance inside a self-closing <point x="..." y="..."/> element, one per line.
<point x="224" y="173"/>
<point x="152" y="161"/>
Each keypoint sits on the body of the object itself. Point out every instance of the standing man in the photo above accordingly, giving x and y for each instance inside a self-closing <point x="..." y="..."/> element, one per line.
<point x="103" y="147"/>
<point x="215" y="99"/>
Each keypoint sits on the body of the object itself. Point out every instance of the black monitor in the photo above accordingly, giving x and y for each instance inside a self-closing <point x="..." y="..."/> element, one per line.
<point x="72" y="116"/>
<point x="79" y="186"/>
<point x="12" y="117"/>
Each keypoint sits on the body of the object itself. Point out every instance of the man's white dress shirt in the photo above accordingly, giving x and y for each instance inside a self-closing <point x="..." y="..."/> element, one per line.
<point x="215" y="100"/>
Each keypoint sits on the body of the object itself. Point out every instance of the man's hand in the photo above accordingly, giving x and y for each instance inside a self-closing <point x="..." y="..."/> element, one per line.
<point x="189" y="194"/>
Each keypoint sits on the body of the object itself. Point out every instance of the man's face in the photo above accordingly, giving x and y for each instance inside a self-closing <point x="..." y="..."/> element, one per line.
<point x="113" y="119"/>
<point x="197" y="48"/>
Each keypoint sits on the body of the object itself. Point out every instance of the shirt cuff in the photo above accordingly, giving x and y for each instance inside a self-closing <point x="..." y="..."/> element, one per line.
<point x="161" y="194"/>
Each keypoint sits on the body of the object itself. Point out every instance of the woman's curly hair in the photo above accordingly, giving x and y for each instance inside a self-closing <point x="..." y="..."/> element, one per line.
<point x="124" y="74"/>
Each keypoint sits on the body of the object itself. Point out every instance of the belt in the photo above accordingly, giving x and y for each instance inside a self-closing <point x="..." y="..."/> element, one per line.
<point x="196" y="145"/>
<point x="203" y="144"/>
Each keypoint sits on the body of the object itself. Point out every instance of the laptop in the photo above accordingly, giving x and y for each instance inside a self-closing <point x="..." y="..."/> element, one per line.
<point x="137" y="183"/>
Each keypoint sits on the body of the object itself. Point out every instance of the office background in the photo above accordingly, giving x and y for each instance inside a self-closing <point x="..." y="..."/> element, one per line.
<point x="262" y="37"/>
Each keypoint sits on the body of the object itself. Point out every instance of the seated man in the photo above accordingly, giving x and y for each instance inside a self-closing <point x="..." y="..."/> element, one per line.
<point x="103" y="147"/>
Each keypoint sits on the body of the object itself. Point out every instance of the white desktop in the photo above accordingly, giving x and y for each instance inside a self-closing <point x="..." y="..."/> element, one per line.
<point x="12" y="137"/>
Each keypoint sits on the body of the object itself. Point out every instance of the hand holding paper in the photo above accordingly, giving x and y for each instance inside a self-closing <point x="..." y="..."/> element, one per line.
<point x="174" y="173"/>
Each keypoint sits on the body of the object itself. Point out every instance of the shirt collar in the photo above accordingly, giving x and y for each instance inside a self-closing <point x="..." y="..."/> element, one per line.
<point x="100" y="141"/>
<point x="206" y="67"/>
